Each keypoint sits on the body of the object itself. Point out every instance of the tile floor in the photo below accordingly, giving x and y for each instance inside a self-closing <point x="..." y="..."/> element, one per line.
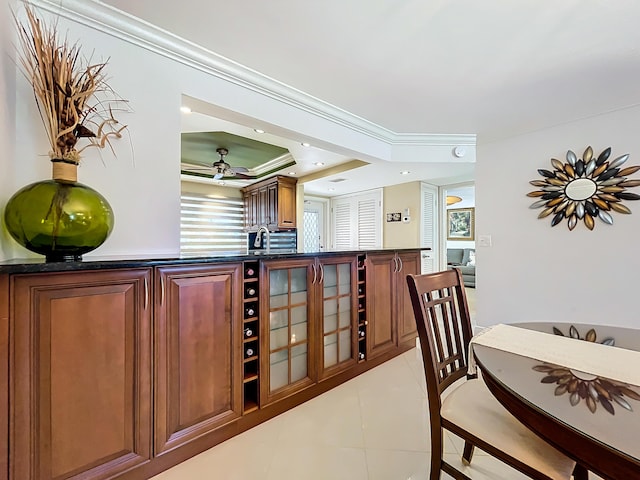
<point x="373" y="427"/>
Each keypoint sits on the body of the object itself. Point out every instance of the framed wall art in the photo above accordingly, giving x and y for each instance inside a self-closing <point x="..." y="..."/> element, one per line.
<point x="460" y="223"/>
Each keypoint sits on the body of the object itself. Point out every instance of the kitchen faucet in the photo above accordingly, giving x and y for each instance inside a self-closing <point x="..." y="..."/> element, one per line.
<point x="258" y="241"/>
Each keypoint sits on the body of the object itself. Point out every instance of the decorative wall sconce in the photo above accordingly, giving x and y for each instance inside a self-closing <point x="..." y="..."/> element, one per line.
<point x="584" y="189"/>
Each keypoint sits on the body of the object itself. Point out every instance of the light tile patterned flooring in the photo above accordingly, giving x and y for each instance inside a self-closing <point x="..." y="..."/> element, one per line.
<point x="374" y="427"/>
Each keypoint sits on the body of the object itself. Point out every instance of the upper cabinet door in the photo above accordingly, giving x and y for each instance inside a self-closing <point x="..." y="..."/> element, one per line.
<point x="286" y="214"/>
<point x="81" y="374"/>
<point x="271" y="202"/>
<point x="198" y="351"/>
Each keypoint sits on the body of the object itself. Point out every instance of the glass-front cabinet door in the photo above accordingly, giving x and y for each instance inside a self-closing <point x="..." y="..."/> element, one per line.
<point x="339" y="315"/>
<point x="287" y="327"/>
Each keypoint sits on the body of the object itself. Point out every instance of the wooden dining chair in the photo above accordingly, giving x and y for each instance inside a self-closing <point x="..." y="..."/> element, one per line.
<point x="464" y="406"/>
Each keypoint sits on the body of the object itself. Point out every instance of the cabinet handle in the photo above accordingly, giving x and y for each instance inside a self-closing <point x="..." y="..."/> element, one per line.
<point x="314" y="274"/>
<point x="395" y="265"/>
<point x="400" y="262"/>
<point x="161" y="290"/>
<point x="321" y="273"/>
<point x="146" y="293"/>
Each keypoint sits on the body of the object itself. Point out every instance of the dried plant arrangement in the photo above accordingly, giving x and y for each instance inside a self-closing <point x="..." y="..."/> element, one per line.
<point x="74" y="99"/>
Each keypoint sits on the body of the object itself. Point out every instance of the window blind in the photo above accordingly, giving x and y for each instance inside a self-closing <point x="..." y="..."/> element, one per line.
<point x="211" y="225"/>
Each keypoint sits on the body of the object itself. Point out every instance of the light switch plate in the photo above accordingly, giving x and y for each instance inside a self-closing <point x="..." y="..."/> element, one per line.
<point x="484" y="240"/>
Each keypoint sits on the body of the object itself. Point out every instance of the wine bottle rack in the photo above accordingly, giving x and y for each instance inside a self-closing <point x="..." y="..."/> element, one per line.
<point x="250" y="329"/>
<point x="362" y="307"/>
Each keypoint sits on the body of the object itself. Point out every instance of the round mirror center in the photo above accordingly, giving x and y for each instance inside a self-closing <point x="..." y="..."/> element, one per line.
<point x="580" y="189"/>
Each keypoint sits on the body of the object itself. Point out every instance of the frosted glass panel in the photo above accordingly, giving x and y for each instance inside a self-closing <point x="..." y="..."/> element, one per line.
<point x="344" y="306"/>
<point x="279" y="372"/>
<point x="298" y="279"/>
<point x="279" y="338"/>
<point x="298" y="362"/>
<point x="278" y="319"/>
<point x="299" y="315"/>
<point x="299" y="298"/>
<point x="278" y="282"/>
<point x="330" y="291"/>
<point x="276" y="301"/>
<point x="344" y="276"/>
<point x="330" y="350"/>
<point x="298" y="332"/>
<point x="345" y="345"/>
<point x="330" y="279"/>
<point x="330" y="321"/>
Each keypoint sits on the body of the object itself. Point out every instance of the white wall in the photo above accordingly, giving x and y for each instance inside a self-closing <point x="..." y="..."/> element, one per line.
<point x="143" y="187"/>
<point x="536" y="272"/>
<point x="7" y="115"/>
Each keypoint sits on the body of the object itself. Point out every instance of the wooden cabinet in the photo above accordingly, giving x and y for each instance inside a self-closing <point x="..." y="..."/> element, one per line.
<point x="381" y="328"/>
<point x="309" y="329"/>
<point x="121" y="373"/>
<point x="271" y="202"/>
<point x="4" y="376"/>
<point x="287" y="333"/>
<point x="408" y="263"/>
<point x="337" y="309"/>
<point x="198" y="351"/>
<point x="80" y="374"/>
<point x="389" y="313"/>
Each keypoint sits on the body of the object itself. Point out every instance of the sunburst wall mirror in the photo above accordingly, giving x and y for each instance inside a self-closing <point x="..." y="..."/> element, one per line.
<point x="583" y="189"/>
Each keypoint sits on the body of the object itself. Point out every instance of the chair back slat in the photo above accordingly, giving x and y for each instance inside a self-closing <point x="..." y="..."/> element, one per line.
<point x="444" y="327"/>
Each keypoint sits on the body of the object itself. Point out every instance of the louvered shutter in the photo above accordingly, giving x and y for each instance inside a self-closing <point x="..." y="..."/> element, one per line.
<point x="356" y="221"/>
<point x="429" y="228"/>
<point x="368" y="220"/>
<point x="342" y="231"/>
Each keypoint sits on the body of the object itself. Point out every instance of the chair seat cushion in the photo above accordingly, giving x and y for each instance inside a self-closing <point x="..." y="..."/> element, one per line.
<point x="472" y="407"/>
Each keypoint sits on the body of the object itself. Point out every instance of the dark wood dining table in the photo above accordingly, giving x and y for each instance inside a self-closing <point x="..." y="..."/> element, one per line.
<point x="594" y="420"/>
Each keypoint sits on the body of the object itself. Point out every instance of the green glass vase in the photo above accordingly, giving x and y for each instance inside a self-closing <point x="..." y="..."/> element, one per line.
<point x="59" y="219"/>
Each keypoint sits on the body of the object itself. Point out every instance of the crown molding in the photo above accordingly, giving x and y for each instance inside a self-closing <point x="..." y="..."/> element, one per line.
<point x="111" y="21"/>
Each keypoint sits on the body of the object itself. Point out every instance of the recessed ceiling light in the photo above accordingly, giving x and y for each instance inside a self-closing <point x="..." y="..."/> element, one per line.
<point x="185" y="109"/>
<point x="319" y="164"/>
<point x="305" y="144"/>
<point x="405" y="172"/>
<point x="292" y="173"/>
<point x="221" y="183"/>
<point x="258" y="130"/>
<point x="332" y="189"/>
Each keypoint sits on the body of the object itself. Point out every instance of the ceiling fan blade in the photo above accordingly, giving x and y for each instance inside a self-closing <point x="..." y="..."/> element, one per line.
<point x="240" y="169"/>
<point x="198" y="169"/>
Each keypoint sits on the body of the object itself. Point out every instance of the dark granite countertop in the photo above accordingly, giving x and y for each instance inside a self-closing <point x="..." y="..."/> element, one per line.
<point x="36" y="265"/>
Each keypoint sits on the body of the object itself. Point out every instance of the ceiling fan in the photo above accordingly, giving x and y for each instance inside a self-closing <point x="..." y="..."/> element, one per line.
<point x="221" y="168"/>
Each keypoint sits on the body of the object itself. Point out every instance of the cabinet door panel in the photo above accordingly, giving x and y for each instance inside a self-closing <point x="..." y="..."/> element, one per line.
<point x="337" y="314"/>
<point x="198" y="352"/>
<point x="81" y="374"/>
<point x="4" y="375"/>
<point x="409" y="264"/>
<point x="286" y="208"/>
<point x="381" y="331"/>
<point x="287" y="362"/>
